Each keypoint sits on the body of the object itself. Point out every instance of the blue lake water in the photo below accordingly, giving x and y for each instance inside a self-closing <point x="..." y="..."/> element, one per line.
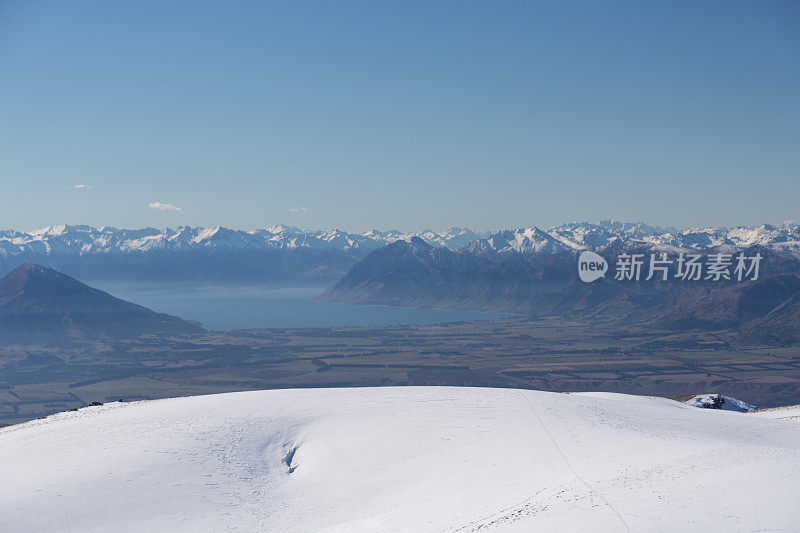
<point x="225" y="309"/>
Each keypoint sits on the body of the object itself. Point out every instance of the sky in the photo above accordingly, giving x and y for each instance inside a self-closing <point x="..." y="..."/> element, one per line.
<point x="407" y="115"/>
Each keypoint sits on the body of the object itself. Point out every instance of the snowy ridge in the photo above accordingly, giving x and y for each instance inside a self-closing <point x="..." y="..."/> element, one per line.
<point x="82" y="240"/>
<point x="430" y="459"/>
<point x="87" y="240"/>
<point x="587" y="235"/>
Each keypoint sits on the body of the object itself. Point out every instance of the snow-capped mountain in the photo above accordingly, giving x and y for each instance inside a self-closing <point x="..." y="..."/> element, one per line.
<point x="84" y="240"/>
<point x="575" y="236"/>
<point x="587" y="235"/>
<point x="451" y="238"/>
<point x="579" y="235"/>
<point x="427" y="459"/>
<point x="525" y="241"/>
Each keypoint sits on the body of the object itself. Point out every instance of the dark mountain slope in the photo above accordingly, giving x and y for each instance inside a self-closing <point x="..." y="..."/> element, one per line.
<point x="728" y="306"/>
<point x="416" y="274"/>
<point x="781" y="325"/>
<point x="40" y="305"/>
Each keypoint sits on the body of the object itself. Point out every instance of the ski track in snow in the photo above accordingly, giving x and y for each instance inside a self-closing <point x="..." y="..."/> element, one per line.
<point x="572" y="468"/>
<point x="438" y="459"/>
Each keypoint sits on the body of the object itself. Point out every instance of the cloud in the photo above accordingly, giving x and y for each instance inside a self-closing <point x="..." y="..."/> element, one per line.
<point x="297" y="209"/>
<point x="163" y="207"/>
<point x="81" y="187"/>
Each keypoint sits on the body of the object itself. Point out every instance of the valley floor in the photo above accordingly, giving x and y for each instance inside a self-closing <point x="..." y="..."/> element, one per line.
<point x="439" y="459"/>
<point x="550" y="354"/>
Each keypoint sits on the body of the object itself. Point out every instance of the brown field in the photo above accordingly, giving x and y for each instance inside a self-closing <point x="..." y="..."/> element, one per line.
<point x="549" y="354"/>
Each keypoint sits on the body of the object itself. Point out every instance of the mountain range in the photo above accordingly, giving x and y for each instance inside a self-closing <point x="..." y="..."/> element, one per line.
<point x="276" y="256"/>
<point x="288" y="256"/>
<point x="533" y="278"/>
<point x="526" y="271"/>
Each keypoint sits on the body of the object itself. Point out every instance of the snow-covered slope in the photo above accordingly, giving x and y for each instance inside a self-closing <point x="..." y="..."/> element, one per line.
<point x="401" y="459"/>
<point x="789" y="412"/>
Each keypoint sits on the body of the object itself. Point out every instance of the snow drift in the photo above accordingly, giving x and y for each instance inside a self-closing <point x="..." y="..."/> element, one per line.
<point x="401" y="459"/>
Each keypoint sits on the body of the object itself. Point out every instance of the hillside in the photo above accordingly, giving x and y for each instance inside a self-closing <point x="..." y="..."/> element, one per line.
<point x="780" y="325"/>
<point x="39" y="305"/>
<point x="530" y="282"/>
<point x="729" y="306"/>
<point x="416" y="274"/>
<point x="401" y="459"/>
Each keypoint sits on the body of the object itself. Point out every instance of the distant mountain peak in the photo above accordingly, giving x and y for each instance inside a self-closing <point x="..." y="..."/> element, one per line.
<point x="31" y="268"/>
<point x="28" y="273"/>
<point x="418" y="241"/>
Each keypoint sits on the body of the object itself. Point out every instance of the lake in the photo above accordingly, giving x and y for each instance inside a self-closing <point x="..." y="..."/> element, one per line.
<point x="225" y="309"/>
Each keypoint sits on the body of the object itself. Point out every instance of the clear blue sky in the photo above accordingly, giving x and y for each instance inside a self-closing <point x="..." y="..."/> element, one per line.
<point x="398" y="114"/>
